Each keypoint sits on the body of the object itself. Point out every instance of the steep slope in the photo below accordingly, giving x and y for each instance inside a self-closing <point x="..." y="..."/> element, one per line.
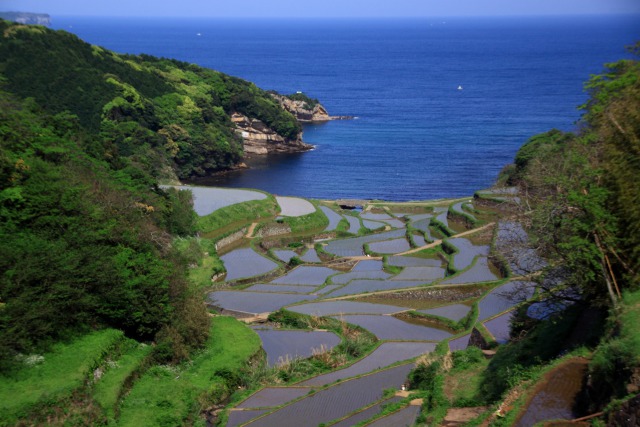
<point x="174" y="116"/>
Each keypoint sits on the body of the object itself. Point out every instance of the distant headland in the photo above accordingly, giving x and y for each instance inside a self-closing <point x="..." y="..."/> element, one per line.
<point x="27" y="18"/>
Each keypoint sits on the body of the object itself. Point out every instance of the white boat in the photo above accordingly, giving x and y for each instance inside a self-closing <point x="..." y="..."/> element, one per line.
<point x="459" y="87"/>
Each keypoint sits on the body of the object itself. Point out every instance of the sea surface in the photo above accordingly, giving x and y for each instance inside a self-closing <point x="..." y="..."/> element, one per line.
<point x="442" y="104"/>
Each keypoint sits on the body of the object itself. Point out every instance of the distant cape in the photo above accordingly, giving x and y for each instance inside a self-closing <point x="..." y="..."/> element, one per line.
<point x="27" y="18"/>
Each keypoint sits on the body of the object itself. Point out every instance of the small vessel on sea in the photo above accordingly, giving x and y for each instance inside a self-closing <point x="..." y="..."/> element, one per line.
<point x="459" y="87"/>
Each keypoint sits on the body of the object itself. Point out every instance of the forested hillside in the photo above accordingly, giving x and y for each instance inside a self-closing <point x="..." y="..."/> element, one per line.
<point x="168" y="117"/>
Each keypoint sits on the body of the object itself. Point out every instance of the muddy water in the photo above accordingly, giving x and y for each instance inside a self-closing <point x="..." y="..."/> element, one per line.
<point x="554" y="398"/>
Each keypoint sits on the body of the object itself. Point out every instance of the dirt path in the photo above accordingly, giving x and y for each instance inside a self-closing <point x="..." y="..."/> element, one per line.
<point x="251" y="229"/>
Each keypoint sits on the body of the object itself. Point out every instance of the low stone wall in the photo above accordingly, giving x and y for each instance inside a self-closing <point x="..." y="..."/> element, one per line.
<point x="273" y="230"/>
<point x="230" y="239"/>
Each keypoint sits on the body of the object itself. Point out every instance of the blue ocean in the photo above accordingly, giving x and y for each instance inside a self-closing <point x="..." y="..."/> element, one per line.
<point x="441" y="104"/>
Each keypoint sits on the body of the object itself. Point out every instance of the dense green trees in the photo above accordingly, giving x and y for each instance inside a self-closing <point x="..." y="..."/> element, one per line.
<point x="581" y="190"/>
<point x="172" y="115"/>
<point x="83" y="245"/>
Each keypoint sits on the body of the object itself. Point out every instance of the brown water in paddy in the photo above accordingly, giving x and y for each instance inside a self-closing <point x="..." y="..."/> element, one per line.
<point x="555" y="397"/>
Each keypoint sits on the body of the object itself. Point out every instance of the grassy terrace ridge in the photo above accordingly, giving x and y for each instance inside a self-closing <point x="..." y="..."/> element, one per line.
<point x="230" y="218"/>
<point x="55" y="375"/>
<point x="169" y="395"/>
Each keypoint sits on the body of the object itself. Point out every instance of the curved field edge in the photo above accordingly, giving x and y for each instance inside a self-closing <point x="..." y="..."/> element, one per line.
<point x="170" y="395"/>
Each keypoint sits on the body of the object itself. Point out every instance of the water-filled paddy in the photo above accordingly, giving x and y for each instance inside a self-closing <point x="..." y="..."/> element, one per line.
<point x="427" y="274"/>
<point x="305" y="275"/>
<point x="209" y="199"/>
<point x="454" y="312"/>
<point x="310" y="256"/>
<point x="336" y="401"/>
<point x="254" y="302"/>
<point x="284" y="255"/>
<point x="354" y="224"/>
<point x="405" y="417"/>
<point x="458" y="208"/>
<point x="372" y="225"/>
<point x="245" y="262"/>
<point x="410" y="261"/>
<point x="467" y="251"/>
<point x="334" y="218"/>
<point x="503" y="298"/>
<point x="282" y="346"/>
<point x="368" y="265"/>
<point x="478" y="273"/>
<point x="390" y="246"/>
<point x="354" y="246"/>
<point x="366" y="413"/>
<point x="500" y="327"/>
<point x="342" y="279"/>
<point x="360" y="286"/>
<point x="386" y="354"/>
<point x="390" y="328"/>
<point x="326" y="308"/>
<point x="297" y="289"/>
<point x="459" y="343"/>
<point x="294" y="206"/>
<point x="237" y="418"/>
<point x="273" y="396"/>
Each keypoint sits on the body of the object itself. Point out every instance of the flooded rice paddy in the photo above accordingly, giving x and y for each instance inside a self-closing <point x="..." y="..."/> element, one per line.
<point x="245" y="262"/>
<point x="207" y="200"/>
<point x="294" y="206"/>
<point x="390" y="328"/>
<point x="367" y="296"/>
<point x="283" y="346"/>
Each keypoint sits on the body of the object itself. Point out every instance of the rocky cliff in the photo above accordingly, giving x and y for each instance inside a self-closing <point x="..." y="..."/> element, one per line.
<point x="305" y="109"/>
<point x="258" y="138"/>
<point x="27" y="18"/>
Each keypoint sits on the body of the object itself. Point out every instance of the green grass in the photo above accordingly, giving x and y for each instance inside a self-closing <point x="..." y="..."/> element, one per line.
<point x="63" y="370"/>
<point x="315" y="221"/>
<point x="225" y="219"/>
<point x="167" y="395"/>
<point x="109" y="388"/>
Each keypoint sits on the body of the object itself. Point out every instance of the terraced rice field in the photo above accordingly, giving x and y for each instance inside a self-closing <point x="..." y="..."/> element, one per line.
<point x="478" y="273"/>
<point x="390" y="328"/>
<point x="354" y="224"/>
<point x="282" y="346"/>
<point x="409" y="261"/>
<point x="353" y="394"/>
<point x="366" y="413"/>
<point x="386" y="354"/>
<point x="294" y="206"/>
<point x="355" y="246"/>
<point x="270" y="397"/>
<point x="361" y="286"/>
<point x="334" y="218"/>
<point x="328" y="308"/>
<point x="373" y="225"/>
<point x="305" y="275"/>
<point x="499" y="327"/>
<point x="467" y="251"/>
<point x="390" y="246"/>
<point x="310" y="256"/>
<point x="237" y="418"/>
<point x="336" y="401"/>
<point x="207" y="200"/>
<point x="454" y="312"/>
<point x="254" y="302"/>
<point x="503" y="298"/>
<point x="459" y="343"/>
<point x="405" y="417"/>
<point x="343" y="279"/>
<point x="296" y="289"/>
<point x="457" y="207"/>
<point x="420" y="273"/>
<point x="245" y="262"/>
<point x="284" y="255"/>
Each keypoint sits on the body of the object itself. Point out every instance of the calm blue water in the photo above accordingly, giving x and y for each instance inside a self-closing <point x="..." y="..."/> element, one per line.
<point x="417" y="136"/>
